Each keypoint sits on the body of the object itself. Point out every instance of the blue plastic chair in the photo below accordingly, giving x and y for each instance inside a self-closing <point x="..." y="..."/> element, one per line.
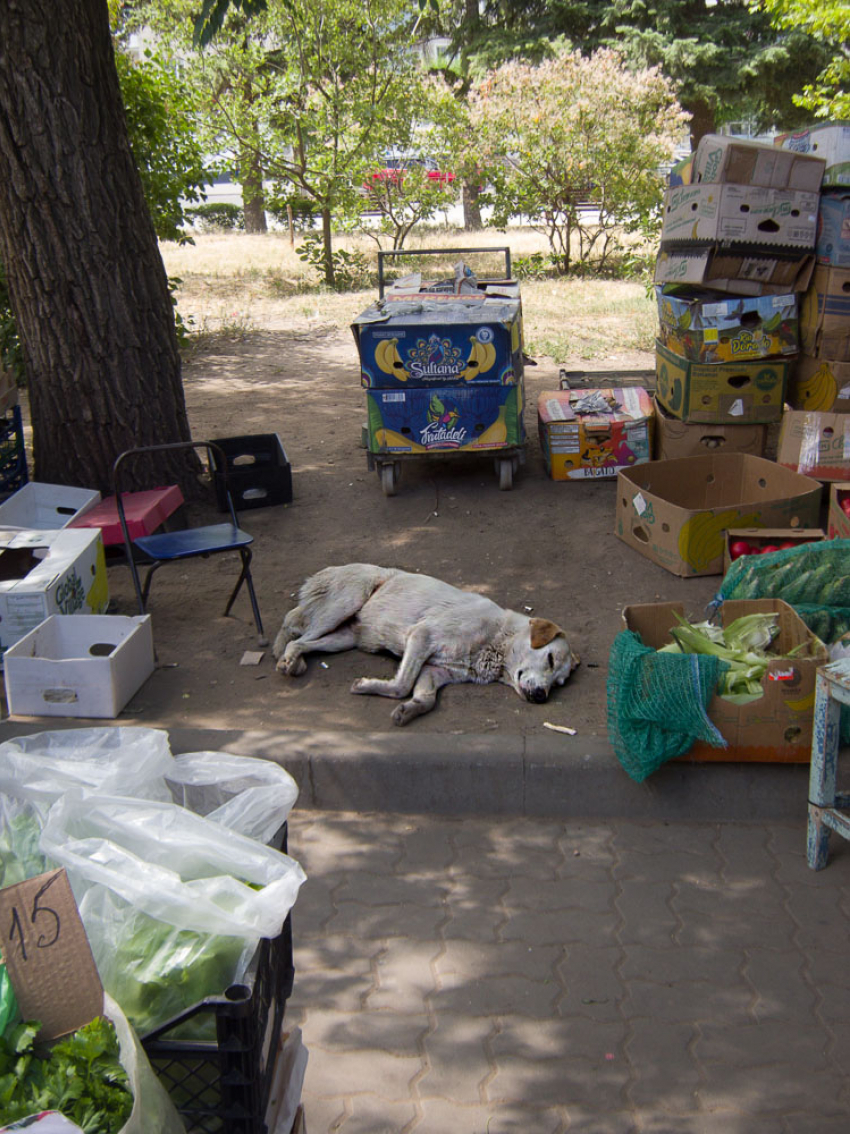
<point x="189" y="543"/>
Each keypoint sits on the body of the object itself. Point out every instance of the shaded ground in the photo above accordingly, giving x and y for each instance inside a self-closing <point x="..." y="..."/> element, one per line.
<point x="544" y="547"/>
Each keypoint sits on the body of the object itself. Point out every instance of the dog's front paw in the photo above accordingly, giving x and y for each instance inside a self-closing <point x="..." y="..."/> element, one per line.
<point x="291" y="667"/>
<point x="360" y="685"/>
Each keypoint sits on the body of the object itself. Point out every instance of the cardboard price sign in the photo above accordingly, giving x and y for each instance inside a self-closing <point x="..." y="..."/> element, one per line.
<point x="48" y="955"/>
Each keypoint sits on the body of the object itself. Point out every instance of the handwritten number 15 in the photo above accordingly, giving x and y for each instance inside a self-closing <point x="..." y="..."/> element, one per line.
<point x="50" y="928"/>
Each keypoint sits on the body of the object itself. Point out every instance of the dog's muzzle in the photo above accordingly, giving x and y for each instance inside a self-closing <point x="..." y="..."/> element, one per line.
<point x="537" y="695"/>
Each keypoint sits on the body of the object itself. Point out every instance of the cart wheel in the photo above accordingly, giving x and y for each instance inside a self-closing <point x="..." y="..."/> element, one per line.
<point x="389" y="479"/>
<point x="506" y="475"/>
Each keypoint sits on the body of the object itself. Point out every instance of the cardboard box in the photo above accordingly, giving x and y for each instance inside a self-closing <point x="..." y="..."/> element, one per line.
<point x="459" y="418"/>
<point x="79" y="666"/>
<point x="740" y="273"/>
<point x="832" y="245"/>
<point x="815" y="444"/>
<point x="46" y="507"/>
<point x="838" y="517"/>
<point x="435" y="340"/>
<point x="825" y="314"/>
<point x="706" y="326"/>
<point x="739" y="214"/>
<point x="760" y="539"/>
<point x="719" y="157"/>
<point x="830" y="141"/>
<point x="819" y="384"/>
<point x="675" y="438"/>
<point x="720" y="393"/>
<point x="676" y="512"/>
<point x="777" y="727"/>
<point x="580" y="445"/>
<point x="49" y="572"/>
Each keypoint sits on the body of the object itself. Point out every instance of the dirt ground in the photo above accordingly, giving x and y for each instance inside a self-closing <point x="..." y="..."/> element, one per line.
<point x="543" y="547"/>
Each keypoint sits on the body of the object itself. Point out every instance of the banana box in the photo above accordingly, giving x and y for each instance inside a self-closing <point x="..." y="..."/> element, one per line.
<point x="819" y="384"/>
<point x="49" y="572"/>
<point x="705" y="326"/>
<point x="815" y="444"/>
<point x="676" y="512"/>
<point x="586" y="443"/>
<point x="720" y="393"/>
<point x="772" y="271"/>
<point x="775" y="727"/>
<point x="722" y="157"/>
<point x="833" y="236"/>
<point x="829" y="141"/>
<point x="739" y="214"/>
<point x="435" y="341"/>
<point x="675" y="438"/>
<point x="422" y="420"/>
<point x="825" y="314"/>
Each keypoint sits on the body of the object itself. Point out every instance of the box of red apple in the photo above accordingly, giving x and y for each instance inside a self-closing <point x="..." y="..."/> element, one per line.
<point x="762" y="541"/>
<point x="838" y="518"/>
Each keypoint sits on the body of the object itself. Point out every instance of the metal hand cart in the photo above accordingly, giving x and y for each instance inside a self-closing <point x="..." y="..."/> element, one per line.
<point x="442" y="364"/>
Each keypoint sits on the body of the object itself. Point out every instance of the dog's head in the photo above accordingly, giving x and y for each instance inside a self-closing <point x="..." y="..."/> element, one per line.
<point x="538" y="658"/>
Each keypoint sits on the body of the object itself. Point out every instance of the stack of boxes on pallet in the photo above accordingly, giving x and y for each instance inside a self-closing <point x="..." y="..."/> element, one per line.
<point x="737" y="249"/>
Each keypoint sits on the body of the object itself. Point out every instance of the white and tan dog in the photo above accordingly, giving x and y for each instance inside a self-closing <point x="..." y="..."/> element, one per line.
<point x="443" y="635"/>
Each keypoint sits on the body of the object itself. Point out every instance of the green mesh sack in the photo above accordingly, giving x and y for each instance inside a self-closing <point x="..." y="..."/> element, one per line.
<point x="814" y="578"/>
<point x="657" y="703"/>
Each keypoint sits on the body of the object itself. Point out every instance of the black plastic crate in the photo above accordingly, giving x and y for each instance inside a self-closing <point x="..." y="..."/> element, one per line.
<point x="258" y="472"/>
<point x="223" y="1085"/>
<point x="13" y="457"/>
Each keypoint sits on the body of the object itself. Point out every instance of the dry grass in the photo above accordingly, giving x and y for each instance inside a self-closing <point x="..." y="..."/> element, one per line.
<point x="234" y="284"/>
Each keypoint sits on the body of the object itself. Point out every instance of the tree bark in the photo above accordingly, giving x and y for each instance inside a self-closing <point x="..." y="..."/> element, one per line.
<point x="472" y="221"/>
<point x="87" y="284"/>
<point x="702" y="121"/>
<point x="253" y="196"/>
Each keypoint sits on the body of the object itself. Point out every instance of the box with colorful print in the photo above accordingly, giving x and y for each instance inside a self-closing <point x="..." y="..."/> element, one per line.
<point x="830" y="141"/>
<point x="706" y="326"/>
<point x="721" y="157"/>
<point x="593" y="433"/>
<point x="49" y="572"/>
<point x="815" y="444"/>
<point x="832" y="246"/>
<point x="739" y="214"/>
<point x="676" y="513"/>
<point x="819" y="384"/>
<point x="454" y="418"/>
<point x="825" y="314"/>
<point x="738" y="272"/>
<point x="440" y="341"/>
<point x="675" y="438"/>
<point x="720" y="392"/>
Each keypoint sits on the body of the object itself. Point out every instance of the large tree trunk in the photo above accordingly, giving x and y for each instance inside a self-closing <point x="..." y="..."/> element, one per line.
<point x="702" y="121"/>
<point x="472" y="221"/>
<point x="87" y="284"/>
<point x="253" y="196"/>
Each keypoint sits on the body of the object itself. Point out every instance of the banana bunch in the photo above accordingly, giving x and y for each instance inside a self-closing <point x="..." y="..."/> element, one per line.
<point x="482" y="356"/>
<point x="817" y="392"/>
<point x="389" y="360"/>
<point x="701" y="537"/>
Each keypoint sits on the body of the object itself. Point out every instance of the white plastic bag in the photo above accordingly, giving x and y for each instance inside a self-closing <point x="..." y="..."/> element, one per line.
<point x="251" y="796"/>
<point x="173" y="905"/>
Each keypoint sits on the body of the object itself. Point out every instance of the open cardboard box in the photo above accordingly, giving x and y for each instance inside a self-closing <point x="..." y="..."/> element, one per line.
<point x="815" y="444"/>
<point x="760" y="539"/>
<point x="775" y="728"/>
<point x="676" y="512"/>
<point x="676" y="438"/>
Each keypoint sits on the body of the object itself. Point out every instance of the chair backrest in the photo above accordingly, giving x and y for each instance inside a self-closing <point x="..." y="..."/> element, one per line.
<point x="215" y="461"/>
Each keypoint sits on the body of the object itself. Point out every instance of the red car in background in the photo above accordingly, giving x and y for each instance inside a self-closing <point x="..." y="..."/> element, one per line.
<point x="394" y="170"/>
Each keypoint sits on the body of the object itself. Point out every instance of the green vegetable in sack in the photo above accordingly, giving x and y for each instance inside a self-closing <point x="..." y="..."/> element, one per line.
<point x="20" y="857"/>
<point x="80" y="1076"/>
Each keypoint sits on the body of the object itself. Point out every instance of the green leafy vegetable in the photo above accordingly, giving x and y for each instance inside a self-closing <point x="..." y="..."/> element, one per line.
<point x="80" y="1076"/>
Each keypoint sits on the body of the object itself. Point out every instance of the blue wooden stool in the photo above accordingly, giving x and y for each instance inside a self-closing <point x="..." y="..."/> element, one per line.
<point x="829" y="809"/>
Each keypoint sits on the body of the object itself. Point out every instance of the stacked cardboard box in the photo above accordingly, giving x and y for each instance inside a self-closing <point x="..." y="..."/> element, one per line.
<point x="737" y="246"/>
<point x="813" y="431"/>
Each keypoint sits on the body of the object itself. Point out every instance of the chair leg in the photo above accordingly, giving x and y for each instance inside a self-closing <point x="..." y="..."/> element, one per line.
<point x="246" y="578"/>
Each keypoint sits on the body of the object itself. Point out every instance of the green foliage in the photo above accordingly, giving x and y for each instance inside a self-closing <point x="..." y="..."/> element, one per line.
<point x="80" y="1076"/>
<point x="209" y="20"/>
<point x="827" y="22"/>
<point x="11" y="352"/>
<point x="217" y="216"/>
<point x="350" y="269"/>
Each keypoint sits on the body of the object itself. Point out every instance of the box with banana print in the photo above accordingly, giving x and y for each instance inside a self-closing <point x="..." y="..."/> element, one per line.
<point x="705" y="326"/>
<point x="423" y="420"/>
<point x="438" y="341"/>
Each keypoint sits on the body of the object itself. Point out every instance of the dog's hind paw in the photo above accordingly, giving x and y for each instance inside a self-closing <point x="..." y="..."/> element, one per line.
<point x="292" y="667"/>
<point x="406" y="712"/>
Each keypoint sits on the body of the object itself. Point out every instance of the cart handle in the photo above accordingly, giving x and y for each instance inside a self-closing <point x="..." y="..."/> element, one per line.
<point x="435" y="252"/>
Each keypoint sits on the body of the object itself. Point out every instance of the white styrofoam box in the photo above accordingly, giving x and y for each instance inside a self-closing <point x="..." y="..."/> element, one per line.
<point x="49" y="572"/>
<point x="46" y="507"/>
<point x="86" y="665"/>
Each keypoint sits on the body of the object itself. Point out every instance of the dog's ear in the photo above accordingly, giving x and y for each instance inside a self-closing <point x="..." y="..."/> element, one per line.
<point x="542" y="632"/>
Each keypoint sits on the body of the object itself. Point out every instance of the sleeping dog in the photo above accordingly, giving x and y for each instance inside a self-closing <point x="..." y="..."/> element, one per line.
<point x="443" y="635"/>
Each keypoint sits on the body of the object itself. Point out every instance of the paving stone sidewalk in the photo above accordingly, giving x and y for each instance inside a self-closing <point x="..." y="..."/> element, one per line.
<point x="475" y="976"/>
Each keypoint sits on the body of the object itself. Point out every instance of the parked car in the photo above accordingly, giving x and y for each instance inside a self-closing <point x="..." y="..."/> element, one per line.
<point x="394" y="169"/>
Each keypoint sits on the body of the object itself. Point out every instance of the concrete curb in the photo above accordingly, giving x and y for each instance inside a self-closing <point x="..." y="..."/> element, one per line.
<point x="504" y="776"/>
